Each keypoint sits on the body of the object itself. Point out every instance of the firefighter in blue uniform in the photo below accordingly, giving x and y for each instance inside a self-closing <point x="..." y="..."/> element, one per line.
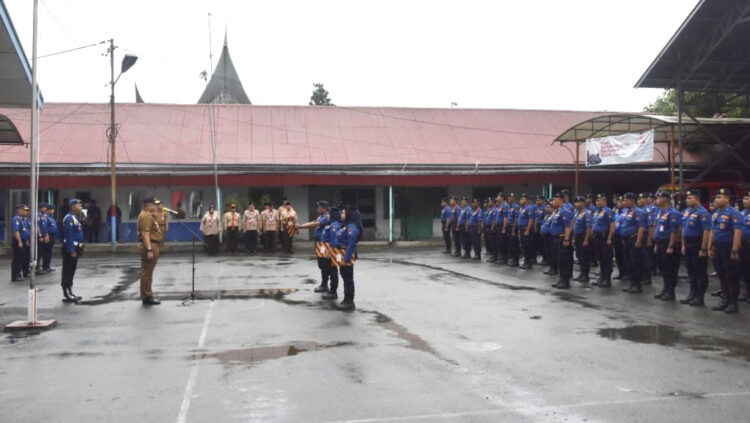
<point x="20" y="233"/>
<point x="501" y="226"/>
<point x="526" y="230"/>
<point x="648" y="251"/>
<point x="582" y="229"/>
<point x="591" y="206"/>
<point x="345" y="252"/>
<point x="667" y="244"/>
<point x="724" y="247"/>
<point x="537" y="238"/>
<point x="514" y="249"/>
<point x="455" y="232"/>
<point x="745" y="248"/>
<point x="560" y="230"/>
<point x="696" y="228"/>
<point x="475" y="229"/>
<point x="489" y="236"/>
<point x="633" y="232"/>
<point x="321" y="253"/>
<point x="42" y="234"/>
<point x="445" y="218"/>
<point x="603" y="230"/>
<point x="495" y="226"/>
<point x="547" y="240"/>
<point x="329" y="232"/>
<point x="617" y="241"/>
<point x="463" y="224"/>
<point x="72" y="248"/>
<point x="651" y="206"/>
<point x="52" y="232"/>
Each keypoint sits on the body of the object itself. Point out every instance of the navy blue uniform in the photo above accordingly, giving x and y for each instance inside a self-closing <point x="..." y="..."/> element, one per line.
<point x="502" y="235"/>
<point x="526" y="215"/>
<point x="745" y="251"/>
<point x="445" y="218"/>
<point x="667" y="224"/>
<point x="561" y="219"/>
<point x="695" y="222"/>
<point x="603" y="219"/>
<point x="463" y="220"/>
<point x="20" y="265"/>
<point x="489" y="236"/>
<point x="583" y="222"/>
<point x="538" y="239"/>
<point x="724" y="223"/>
<point x="618" y="246"/>
<point x="72" y="243"/>
<point x="513" y="246"/>
<point x="455" y="233"/>
<point x="345" y="243"/>
<point x="49" y="246"/>
<point x="630" y="222"/>
<point x="475" y="231"/>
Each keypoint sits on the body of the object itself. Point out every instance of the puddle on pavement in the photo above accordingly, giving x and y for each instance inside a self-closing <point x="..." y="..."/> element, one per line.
<point x="671" y="337"/>
<point x="129" y="276"/>
<point x="460" y="275"/>
<point x="535" y="317"/>
<point x="17" y="337"/>
<point x="260" y="354"/>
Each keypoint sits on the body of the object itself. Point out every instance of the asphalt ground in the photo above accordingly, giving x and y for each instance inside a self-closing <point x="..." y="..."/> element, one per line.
<point x="434" y="338"/>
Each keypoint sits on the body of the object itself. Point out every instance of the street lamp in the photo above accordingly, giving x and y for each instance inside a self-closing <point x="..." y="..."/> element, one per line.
<point x="127" y="62"/>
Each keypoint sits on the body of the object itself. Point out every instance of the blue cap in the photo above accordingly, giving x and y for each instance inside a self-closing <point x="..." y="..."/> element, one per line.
<point x="579" y="199"/>
<point x="20" y="206"/>
<point x="664" y="194"/>
<point x="51" y="207"/>
<point x="75" y="201"/>
<point x="41" y="204"/>
<point x="629" y="196"/>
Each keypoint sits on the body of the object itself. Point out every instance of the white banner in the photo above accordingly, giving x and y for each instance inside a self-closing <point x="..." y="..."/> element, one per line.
<point x="626" y="148"/>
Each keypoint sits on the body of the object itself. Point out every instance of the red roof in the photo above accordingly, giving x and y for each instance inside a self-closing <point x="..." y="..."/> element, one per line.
<point x="297" y="135"/>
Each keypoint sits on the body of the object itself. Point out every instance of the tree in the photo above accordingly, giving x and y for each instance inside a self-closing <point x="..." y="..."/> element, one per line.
<point x="319" y="96"/>
<point x="702" y="104"/>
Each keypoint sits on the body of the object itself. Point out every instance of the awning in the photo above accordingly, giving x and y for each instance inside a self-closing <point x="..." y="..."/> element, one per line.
<point x="15" y="71"/>
<point x="8" y="132"/>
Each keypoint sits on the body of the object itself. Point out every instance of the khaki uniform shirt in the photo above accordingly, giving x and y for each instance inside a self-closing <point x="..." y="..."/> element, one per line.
<point x="162" y="218"/>
<point x="288" y="217"/>
<point x="250" y="220"/>
<point x="231" y="220"/>
<point x="269" y="220"/>
<point x="147" y="222"/>
<point x="210" y="224"/>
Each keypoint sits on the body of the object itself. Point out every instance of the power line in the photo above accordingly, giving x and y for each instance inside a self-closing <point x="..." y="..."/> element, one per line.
<point x="71" y="49"/>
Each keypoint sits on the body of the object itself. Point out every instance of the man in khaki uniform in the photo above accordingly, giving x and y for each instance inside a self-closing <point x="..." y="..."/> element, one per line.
<point x="162" y="218"/>
<point x="211" y="227"/>
<point x="288" y="220"/>
<point x="232" y="221"/>
<point x="149" y="243"/>
<point x="269" y="221"/>
<point x="250" y="226"/>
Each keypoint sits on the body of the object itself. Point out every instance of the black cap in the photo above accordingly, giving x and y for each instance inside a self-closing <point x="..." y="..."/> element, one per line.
<point x="148" y="200"/>
<point x="695" y="192"/>
<point x="51" y="207"/>
<point x="41" y="205"/>
<point x="501" y="194"/>
<point x="746" y="194"/>
<point x="524" y="195"/>
<point x="565" y="192"/>
<point x="589" y="196"/>
<point x="540" y="197"/>
<point x="445" y="200"/>
<point x="579" y="199"/>
<point x="642" y="195"/>
<point x="559" y="195"/>
<point x="724" y="191"/>
<point x="664" y="194"/>
<point x="324" y="204"/>
<point x="629" y="196"/>
<point x="598" y="196"/>
<point x="20" y="206"/>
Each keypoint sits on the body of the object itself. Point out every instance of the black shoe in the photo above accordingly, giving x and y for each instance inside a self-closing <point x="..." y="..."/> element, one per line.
<point x="732" y="309"/>
<point x="151" y="301"/>
<point x="19" y="279"/>
<point x="526" y="266"/>
<point x="577" y="278"/>
<point x="467" y="256"/>
<point x="697" y="302"/>
<point x="605" y="284"/>
<point x="668" y="296"/>
<point x="717" y="293"/>
<point x="584" y="279"/>
<point x="646" y="281"/>
<point x="347" y="305"/>
<point x="544" y="263"/>
<point x="633" y="290"/>
<point x="552" y="273"/>
<point x="659" y="295"/>
<point x="321" y="288"/>
<point x="563" y="285"/>
<point x="491" y="260"/>
<point x="69" y="300"/>
<point x="743" y="297"/>
<point x="618" y="277"/>
<point x="720" y="307"/>
<point x="687" y="300"/>
<point x="476" y="258"/>
<point x="330" y="295"/>
<point x="597" y="283"/>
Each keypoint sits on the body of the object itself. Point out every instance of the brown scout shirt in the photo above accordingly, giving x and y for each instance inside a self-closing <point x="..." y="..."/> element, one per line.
<point x="148" y="222"/>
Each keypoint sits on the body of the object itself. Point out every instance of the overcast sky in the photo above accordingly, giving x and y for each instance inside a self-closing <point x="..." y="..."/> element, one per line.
<point x="543" y="54"/>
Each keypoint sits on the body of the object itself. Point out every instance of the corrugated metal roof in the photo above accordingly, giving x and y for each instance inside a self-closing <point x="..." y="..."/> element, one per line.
<point x="299" y="135"/>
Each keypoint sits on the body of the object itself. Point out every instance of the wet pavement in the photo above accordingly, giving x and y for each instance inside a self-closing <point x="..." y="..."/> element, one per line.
<point x="434" y="338"/>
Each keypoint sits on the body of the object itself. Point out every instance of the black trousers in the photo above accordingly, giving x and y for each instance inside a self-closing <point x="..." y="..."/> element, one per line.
<point x="476" y="240"/>
<point x="456" y="233"/>
<point x="286" y="241"/>
<point x="564" y="258"/>
<point x="489" y="242"/>
<point x="46" y="252"/>
<point x="697" y="266"/>
<point x="527" y="246"/>
<point x="514" y="249"/>
<point x="618" y="244"/>
<point x="728" y="270"/>
<point x="668" y="264"/>
<point x="549" y="247"/>
<point x="502" y="244"/>
<point x="465" y="240"/>
<point x="634" y="255"/>
<point x="604" y="255"/>
<point x="538" y="242"/>
<point x="347" y="274"/>
<point x="745" y="263"/>
<point x="69" y="266"/>
<point x="269" y="240"/>
<point x="328" y="272"/>
<point x="495" y="241"/>
<point x="583" y="253"/>
<point x="21" y="257"/>
<point x="251" y="241"/>
<point x="93" y="233"/>
<point x="233" y="237"/>
<point x="649" y="261"/>
<point x="446" y="237"/>
<point x="212" y="242"/>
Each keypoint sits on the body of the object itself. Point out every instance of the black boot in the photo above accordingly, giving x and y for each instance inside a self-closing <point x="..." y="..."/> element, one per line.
<point x="583" y="278"/>
<point x="563" y="284"/>
<point x="668" y="296"/>
<point x="697" y="302"/>
<point x="607" y="282"/>
<point x="66" y="297"/>
<point x="72" y="295"/>
<point x="347" y="305"/>
<point x="330" y="295"/>
<point x="731" y="308"/>
<point x="687" y="300"/>
<point x="721" y="307"/>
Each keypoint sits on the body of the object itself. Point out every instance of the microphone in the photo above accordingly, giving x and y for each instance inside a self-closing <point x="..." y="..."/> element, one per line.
<point x="170" y="210"/>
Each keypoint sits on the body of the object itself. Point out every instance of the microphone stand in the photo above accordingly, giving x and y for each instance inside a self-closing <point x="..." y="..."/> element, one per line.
<point x="192" y="296"/>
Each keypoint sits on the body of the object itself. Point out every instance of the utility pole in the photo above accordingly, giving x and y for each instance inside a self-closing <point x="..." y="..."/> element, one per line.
<point x="112" y="136"/>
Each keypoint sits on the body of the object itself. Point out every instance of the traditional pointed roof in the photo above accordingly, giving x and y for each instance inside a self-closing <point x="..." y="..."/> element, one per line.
<point x="225" y="86"/>
<point x="138" y="98"/>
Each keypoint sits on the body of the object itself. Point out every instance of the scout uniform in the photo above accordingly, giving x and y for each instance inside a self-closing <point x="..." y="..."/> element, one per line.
<point x="269" y="224"/>
<point x="232" y="228"/>
<point x="288" y="220"/>
<point x="211" y="227"/>
<point x="666" y="231"/>
<point x="250" y="225"/>
<point x="696" y="224"/>
<point x="601" y="228"/>
<point x="72" y="248"/>
<point x="20" y="234"/>
<point x="726" y="222"/>
<point x="147" y="222"/>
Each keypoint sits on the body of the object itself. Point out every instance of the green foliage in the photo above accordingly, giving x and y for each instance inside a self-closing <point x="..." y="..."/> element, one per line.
<point x="319" y="96"/>
<point x="702" y="104"/>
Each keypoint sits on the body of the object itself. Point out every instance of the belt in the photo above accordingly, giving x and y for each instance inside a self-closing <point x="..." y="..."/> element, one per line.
<point x="75" y="243"/>
<point x="600" y="233"/>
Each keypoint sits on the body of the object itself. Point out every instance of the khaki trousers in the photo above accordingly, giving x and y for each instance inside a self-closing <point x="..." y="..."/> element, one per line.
<point x="147" y="268"/>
